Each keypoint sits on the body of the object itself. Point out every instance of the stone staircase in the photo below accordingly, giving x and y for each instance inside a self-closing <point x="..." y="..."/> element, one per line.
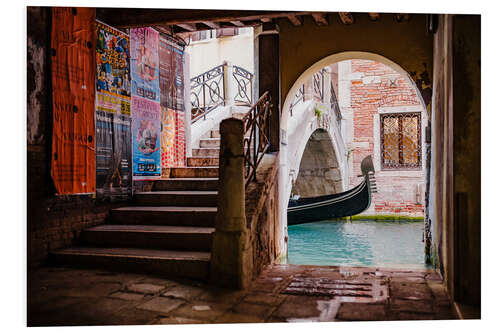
<point x="167" y="231"/>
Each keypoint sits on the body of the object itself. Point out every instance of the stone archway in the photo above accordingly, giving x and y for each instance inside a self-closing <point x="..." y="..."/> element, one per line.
<point x="289" y="154"/>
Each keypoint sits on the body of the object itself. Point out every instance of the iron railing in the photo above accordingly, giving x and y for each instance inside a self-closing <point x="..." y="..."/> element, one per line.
<point x="256" y="125"/>
<point x="334" y="105"/>
<point x="244" y="81"/>
<point x="299" y="97"/>
<point x="207" y="92"/>
<point x="319" y="85"/>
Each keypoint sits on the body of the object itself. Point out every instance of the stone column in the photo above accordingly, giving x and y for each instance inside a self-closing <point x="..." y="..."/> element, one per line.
<point x="231" y="262"/>
<point x="269" y="77"/>
<point x="229" y="84"/>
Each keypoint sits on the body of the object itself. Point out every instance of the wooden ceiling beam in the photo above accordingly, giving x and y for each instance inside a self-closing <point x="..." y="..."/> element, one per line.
<point x="142" y="17"/>
<point x="346" y="18"/>
<point x="237" y="23"/>
<point x="374" y="16"/>
<point x="164" y="29"/>
<point x="266" y="19"/>
<point x="211" y="25"/>
<point x="320" y="18"/>
<point x="187" y="26"/>
<point x="400" y="17"/>
<point x="296" y="20"/>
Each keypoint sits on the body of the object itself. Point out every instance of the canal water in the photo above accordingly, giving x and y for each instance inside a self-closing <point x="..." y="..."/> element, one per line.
<point x="357" y="243"/>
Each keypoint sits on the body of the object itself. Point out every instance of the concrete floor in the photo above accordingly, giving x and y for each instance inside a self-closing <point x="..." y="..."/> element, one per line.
<point x="282" y="293"/>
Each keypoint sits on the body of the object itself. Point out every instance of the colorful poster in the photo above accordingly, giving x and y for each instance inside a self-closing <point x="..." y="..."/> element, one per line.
<point x="112" y="115"/>
<point x="144" y="63"/>
<point x="146" y="131"/>
<point x="171" y="56"/>
<point x="173" y="142"/>
<point x="112" y="61"/>
<point x="113" y="160"/>
<point x="146" y="112"/>
<point x="73" y="80"/>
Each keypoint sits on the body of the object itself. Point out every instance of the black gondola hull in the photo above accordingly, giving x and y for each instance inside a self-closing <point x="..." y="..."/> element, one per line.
<point x="348" y="203"/>
<point x="343" y="204"/>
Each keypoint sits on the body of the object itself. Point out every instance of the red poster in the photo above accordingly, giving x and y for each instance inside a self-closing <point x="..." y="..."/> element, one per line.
<point x="73" y="91"/>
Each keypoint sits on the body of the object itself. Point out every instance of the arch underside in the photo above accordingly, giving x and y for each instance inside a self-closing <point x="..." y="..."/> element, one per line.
<point x="319" y="172"/>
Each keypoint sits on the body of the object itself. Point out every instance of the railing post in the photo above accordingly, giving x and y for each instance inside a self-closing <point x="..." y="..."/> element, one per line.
<point x="231" y="263"/>
<point x="228" y="84"/>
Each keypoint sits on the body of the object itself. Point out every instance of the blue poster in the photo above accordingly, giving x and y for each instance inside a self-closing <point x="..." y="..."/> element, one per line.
<point x="146" y="136"/>
<point x="145" y="63"/>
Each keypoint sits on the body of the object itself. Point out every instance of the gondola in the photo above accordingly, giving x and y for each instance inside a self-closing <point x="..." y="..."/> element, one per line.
<point x="348" y="203"/>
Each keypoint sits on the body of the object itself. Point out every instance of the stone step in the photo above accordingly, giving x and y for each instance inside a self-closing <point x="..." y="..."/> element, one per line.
<point x="239" y="115"/>
<point x="177" y="198"/>
<point x="210" y="143"/>
<point x="188" y="184"/>
<point x="165" y="215"/>
<point x="202" y="161"/>
<point x="215" y="133"/>
<point x="205" y="152"/>
<point x="149" y="237"/>
<point x="192" y="264"/>
<point x="195" y="172"/>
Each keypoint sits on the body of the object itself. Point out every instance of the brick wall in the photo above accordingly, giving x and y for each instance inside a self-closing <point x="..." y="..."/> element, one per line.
<point x="376" y="88"/>
<point x="52" y="221"/>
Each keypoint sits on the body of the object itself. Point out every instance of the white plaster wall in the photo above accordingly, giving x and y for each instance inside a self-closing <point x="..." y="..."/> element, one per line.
<point x="236" y="50"/>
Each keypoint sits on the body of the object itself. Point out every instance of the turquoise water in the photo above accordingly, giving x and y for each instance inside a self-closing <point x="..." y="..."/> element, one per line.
<point x="357" y="243"/>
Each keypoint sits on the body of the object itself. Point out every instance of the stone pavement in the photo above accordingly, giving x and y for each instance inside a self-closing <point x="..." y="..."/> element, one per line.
<point x="282" y="293"/>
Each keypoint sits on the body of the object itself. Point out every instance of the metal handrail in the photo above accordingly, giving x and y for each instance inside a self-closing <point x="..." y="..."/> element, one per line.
<point x="207" y="93"/>
<point x="319" y="85"/>
<point x="299" y="97"/>
<point x="334" y="105"/>
<point x="244" y="79"/>
<point x="256" y="122"/>
<point x="208" y="90"/>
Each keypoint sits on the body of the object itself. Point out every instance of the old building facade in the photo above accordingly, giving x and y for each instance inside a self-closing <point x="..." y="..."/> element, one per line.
<point x="383" y="116"/>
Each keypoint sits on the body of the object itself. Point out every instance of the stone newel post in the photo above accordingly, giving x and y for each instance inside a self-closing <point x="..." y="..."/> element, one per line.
<point x="231" y="256"/>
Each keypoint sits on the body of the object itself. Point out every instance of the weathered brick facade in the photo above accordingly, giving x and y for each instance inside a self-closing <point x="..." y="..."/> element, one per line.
<point x="374" y="90"/>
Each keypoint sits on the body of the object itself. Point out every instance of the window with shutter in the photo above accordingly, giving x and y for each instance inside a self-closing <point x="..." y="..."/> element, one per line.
<point x="400" y="141"/>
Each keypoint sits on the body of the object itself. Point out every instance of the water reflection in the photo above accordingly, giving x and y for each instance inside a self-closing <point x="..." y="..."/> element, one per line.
<point x="360" y="243"/>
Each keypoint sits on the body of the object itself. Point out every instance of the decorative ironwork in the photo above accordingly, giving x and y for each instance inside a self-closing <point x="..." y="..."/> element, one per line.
<point x="207" y="92"/>
<point x="334" y="105"/>
<point x="244" y="80"/>
<point x="299" y="97"/>
<point x="400" y="138"/>
<point x="319" y="85"/>
<point x="256" y="125"/>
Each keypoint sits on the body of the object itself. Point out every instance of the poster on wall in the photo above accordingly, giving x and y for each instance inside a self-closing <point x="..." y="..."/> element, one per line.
<point x="144" y="63"/>
<point x="146" y="112"/>
<point x="113" y="172"/>
<point x="173" y="143"/>
<point x="171" y="56"/>
<point x="112" y="115"/>
<point x="73" y="80"/>
<point x="146" y="133"/>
